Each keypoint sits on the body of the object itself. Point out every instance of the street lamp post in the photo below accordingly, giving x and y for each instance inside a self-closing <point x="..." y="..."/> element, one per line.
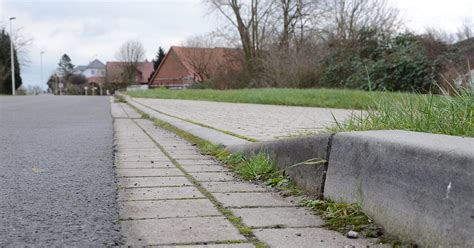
<point x="41" y="67"/>
<point x="12" y="57"/>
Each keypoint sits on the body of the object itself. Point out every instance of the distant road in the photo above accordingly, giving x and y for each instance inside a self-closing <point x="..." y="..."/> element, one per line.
<point x="57" y="184"/>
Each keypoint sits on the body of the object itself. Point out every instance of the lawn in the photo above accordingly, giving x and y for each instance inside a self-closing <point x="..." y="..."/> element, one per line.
<point x="383" y="110"/>
<point x="328" y="98"/>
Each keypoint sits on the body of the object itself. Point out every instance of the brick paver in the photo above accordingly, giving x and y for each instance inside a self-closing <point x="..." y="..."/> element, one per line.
<point x="184" y="208"/>
<point x="256" y="121"/>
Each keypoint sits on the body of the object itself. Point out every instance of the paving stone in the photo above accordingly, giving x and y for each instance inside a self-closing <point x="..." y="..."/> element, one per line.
<point x="212" y="246"/>
<point x="212" y="176"/>
<point x="167" y="209"/>
<point x="205" y="168"/>
<point x="130" y="111"/>
<point x="227" y="187"/>
<point x="188" y="156"/>
<point x="163" y="193"/>
<point x="144" y="165"/>
<point x="140" y="158"/>
<point x="180" y="230"/>
<point x="306" y="238"/>
<point x="261" y="122"/>
<point x="139" y="182"/>
<point x="140" y="153"/>
<point x="257" y="199"/>
<point x="288" y="217"/>
<point x="117" y="111"/>
<point x="164" y="172"/>
<point x="197" y="162"/>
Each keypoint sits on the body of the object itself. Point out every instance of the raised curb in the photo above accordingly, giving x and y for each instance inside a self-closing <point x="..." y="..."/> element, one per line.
<point x="211" y="135"/>
<point x="418" y="186"/>
<point x="288" y="153"/>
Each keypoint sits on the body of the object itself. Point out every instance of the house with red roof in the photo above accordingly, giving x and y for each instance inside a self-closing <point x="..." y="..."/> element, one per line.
<point x="185" y="66"/>
<point x="114" y="71"/>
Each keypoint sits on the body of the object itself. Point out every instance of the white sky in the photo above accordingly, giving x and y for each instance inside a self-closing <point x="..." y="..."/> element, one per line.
<point x="88" y="29"/>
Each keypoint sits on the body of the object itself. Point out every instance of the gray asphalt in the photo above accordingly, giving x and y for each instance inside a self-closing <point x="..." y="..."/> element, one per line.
<point x="57" y="182"/>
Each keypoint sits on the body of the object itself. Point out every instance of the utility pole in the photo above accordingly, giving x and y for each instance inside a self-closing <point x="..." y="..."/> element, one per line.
<point x="41" y="67"/>
<point x="12" y="57"/>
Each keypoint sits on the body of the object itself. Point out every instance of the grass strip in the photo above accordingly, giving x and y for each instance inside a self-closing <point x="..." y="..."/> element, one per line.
<point x="326" y="98"/>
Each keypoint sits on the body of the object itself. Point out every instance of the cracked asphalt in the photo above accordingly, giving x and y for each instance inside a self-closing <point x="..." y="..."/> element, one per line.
<point x="57" y="181"/>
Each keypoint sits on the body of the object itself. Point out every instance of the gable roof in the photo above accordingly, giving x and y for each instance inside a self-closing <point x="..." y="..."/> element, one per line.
<point x="114" y="70"/>
<point x="96" y="64"/>
<point x="184" y="61"/>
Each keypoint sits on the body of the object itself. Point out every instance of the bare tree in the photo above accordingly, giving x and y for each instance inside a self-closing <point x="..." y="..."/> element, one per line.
<point x="199" y="54"/>
<point x="251" y="19"/>
<point x="349" y="17"/>
<point x="130" y="54"/>
<point x="466" y="31"/>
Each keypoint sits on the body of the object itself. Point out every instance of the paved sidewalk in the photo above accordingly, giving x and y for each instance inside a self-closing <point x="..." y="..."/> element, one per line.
<point x="256" y="121"/>
<point x="172" y="196"/>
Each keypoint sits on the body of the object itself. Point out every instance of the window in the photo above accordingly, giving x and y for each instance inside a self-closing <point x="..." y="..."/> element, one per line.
<point x="93" y="72"/>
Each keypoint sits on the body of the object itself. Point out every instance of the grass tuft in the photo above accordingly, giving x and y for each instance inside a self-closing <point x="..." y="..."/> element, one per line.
<point x="339" y="216"/>
<point x="255" y="168"/>
<point x="428" y="113"/>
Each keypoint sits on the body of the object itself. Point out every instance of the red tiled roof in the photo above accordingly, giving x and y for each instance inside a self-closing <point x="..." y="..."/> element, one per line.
<point x="114" y="71"/>
<point x="97" y="80"/>
<point x="184" y="64"/>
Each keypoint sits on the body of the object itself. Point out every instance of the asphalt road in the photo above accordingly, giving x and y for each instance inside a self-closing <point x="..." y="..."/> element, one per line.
<point x="57" y="182"/>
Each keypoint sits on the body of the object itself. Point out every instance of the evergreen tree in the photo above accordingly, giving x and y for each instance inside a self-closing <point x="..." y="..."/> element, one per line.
<point x="160" y="55"/>
<point x="65" y="67"/>
<point x="5" y="65"/>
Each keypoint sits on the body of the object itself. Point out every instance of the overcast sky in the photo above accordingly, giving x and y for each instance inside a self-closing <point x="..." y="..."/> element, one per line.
<point x="88" y="29"/>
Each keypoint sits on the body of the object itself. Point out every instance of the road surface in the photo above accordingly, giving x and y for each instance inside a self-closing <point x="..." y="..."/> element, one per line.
<point x="57" y="181"/>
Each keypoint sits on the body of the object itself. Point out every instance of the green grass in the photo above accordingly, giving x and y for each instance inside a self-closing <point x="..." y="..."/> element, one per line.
<point x="429" y="113"/>
<point x="256" y="168"/>
<point x="340" y="216"/>
<point x="328" y="98"/>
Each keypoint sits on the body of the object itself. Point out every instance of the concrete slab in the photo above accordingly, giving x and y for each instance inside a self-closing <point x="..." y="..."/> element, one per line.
<point x="117" y="111"/>
<point x="130" y="111"/>
<point x="164" y="172"/>
<point x="141" y="182"/>
<point x="416" y="185"/>
<point x="167" y="209"/>
<point x="307" y="238"/>
<point x="188" y="156"/>
<point x="286" y="217"/>
<point x="144" y="165"/>
<point x="227" y="187"/>
<point x="211" y="135"/>
<point x="212" y="176"/>
<point x="197" y="162"/>
<point x="288" y="152"/>
<point x="140" y="158"/>
<point x="212" y="246"/>
<point x="179" y="231"/>
<point x="256" y="199"/>
<point x="205" y="168"/>
<point x="163" y="193"/>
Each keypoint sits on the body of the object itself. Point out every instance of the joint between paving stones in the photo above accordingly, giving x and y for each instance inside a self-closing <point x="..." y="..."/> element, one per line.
<point x="243" y="229"/>
<point x="174" y="217"/>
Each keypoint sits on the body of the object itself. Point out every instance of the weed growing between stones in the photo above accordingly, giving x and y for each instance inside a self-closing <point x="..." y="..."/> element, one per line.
<point x="341" y="216"/>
